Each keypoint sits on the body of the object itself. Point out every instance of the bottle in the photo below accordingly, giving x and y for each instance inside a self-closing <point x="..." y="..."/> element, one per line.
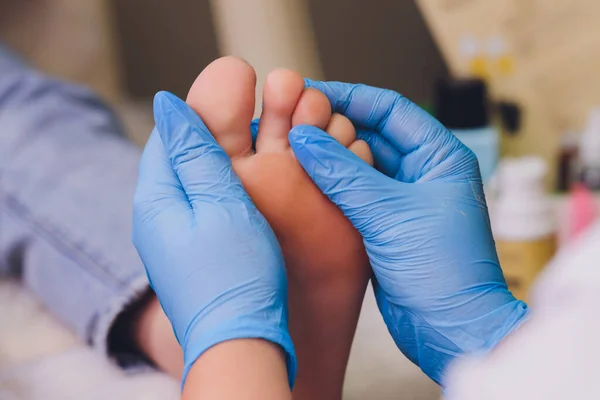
<point x="581" y="212"/>
<point x="568" y="153"/>
<point x="589" y="152"/>
<point x="462" y="106"/>
<point x="523" y="222"/>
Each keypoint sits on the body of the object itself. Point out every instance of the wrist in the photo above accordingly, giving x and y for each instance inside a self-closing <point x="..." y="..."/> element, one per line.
<point x="199" y="340"/>
<point x="433" y="342"/>
<point x="152" y="334"/>
<point x="239" y="369"/>
<point x="513" y="322"/>
<point x="486" y="332"/>
<point x="122" y="335"/>
<point x="498" y="314"/>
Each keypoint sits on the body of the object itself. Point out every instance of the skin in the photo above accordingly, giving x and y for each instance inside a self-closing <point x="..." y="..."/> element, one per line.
<point x="154" y="336"/>
<point x="246" y="369"/>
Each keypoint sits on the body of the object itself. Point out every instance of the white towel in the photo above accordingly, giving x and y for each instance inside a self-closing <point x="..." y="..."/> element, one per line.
<point x="41" y="360"/>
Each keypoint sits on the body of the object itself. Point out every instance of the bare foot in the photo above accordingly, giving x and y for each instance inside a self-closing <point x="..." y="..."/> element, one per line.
<point x="325" y="258"/>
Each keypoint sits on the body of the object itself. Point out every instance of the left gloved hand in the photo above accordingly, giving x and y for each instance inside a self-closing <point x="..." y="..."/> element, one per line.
<point x="210" y="256"/>
<point x="424" y="221"/>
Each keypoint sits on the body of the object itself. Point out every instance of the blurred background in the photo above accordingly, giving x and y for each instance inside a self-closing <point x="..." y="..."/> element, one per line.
<point x="511" y="78"/>
<point x="128" y="50"/>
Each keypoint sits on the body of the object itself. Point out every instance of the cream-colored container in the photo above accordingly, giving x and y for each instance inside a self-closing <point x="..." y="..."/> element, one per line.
<point x="523" y="222"/>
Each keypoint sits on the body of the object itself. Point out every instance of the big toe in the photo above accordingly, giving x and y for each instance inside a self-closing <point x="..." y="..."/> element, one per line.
<point x="281" y="93"/>
<point x="223" y="95"/>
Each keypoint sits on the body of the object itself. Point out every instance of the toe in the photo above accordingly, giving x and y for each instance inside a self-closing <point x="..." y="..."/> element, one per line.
<point x="281" y="93"/>
<point x="313" y="109"/>
<point x="223" y="95"/>
<point x="362" y="150"/>
<point x="341" y="129"/>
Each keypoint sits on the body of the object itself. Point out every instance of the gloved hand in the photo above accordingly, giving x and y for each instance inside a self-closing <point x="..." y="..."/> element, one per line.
<point x="425" y="225"/>
<point x="210" y="256"/>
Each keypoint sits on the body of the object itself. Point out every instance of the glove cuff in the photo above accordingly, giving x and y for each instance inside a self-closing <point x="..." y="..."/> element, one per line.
<point x="197" y="344"/>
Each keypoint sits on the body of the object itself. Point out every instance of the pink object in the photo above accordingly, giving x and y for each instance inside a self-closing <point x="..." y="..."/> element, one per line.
<point x="582" y="211"/>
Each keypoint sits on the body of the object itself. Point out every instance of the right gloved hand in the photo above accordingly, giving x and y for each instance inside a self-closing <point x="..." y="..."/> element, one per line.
<point x="425" y="225"/>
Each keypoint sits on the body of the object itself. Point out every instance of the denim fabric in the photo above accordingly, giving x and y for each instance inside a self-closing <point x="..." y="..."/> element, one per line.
<point x="67" y="177"/>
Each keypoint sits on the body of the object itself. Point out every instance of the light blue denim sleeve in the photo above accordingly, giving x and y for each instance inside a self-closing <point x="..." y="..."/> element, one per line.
<point x="67" y="178"/>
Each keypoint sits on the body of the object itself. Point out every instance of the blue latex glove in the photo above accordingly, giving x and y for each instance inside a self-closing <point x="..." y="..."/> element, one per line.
<point x="211" y="257"/>
<point x="425" y="225"/>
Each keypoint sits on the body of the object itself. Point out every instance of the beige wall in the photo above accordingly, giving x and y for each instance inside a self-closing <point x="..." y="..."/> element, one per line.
<point x="268" y="34"/>
<point x="68" y="38"/>
<point x="152" y="45"/>
<point x="385" y="44"/>
<point x="163" y="47"/>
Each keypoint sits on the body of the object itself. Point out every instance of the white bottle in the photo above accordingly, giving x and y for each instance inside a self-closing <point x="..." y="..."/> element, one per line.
<point x="523" y="222"/>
